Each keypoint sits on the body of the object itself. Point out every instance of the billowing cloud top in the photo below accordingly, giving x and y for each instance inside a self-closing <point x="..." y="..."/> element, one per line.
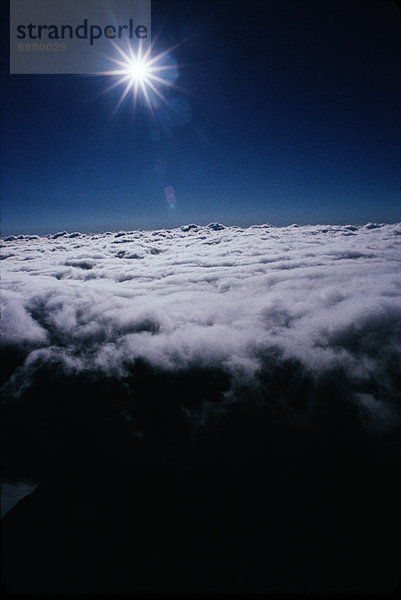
<point x="270" y="308"/>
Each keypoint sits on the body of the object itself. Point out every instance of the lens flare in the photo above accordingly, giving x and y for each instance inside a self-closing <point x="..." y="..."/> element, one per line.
<point x="169" y="192"/>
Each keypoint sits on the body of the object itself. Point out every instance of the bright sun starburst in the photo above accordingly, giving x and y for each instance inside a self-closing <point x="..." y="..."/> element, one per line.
<point x="138" y="70"/>
<point x="140" y="74"/>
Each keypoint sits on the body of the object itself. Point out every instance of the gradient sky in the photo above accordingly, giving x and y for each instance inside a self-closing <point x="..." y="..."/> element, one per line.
<point x="288" y="112"/>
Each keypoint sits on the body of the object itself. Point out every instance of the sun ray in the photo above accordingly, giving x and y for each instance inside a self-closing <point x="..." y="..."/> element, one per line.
<point x="141" y="74"/>
<point x="123" y="96"/>
<point x="157" y="92"/>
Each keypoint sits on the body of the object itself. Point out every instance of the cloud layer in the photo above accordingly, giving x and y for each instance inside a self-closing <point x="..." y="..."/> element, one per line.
<point x="270" y="308"/>
<point x="253" y="372"/>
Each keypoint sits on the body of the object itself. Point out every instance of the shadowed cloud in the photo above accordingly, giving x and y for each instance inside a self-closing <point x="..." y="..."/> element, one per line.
<point x="225" y="411"/>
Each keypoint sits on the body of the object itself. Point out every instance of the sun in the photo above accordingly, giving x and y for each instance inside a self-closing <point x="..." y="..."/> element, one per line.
<point x="140" y="74"/>
<point x="138" y="70"/>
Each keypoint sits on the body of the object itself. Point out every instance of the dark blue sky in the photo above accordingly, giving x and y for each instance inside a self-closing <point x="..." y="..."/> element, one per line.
<point x="289" y="112"/>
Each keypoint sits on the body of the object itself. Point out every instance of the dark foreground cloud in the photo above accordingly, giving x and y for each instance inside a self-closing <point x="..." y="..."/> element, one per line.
<point x="219" y="407"/>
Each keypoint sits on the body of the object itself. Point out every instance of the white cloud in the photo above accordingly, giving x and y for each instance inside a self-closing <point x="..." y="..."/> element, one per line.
<point x="325" y="296"/>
